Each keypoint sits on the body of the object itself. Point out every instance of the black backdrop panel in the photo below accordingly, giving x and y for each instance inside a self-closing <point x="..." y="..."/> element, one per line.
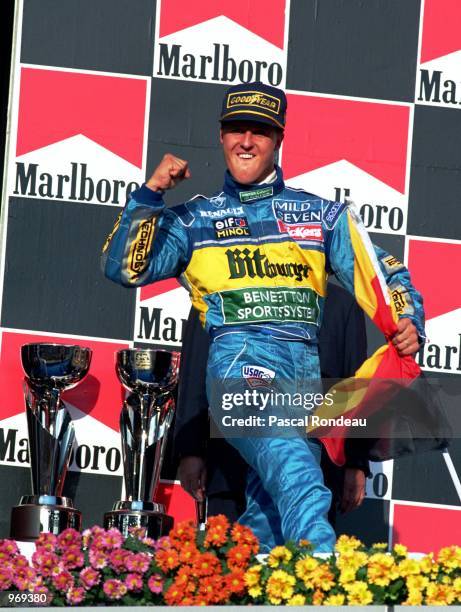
<point x="365" y="49"/>
<point x="52" y="271"/>
<point x="435" y="186"/>
<point x="107" y="35"/>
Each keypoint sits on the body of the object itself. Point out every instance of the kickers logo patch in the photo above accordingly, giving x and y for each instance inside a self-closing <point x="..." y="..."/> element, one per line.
<point x="231" y="227"/>
<point x="300" y="220"/>
<point x="438" y="82"/>
<point x="335" y="161"/>
<point x="80" y="136"/>
<point x="258" y="376"/>
<point x="221" y="42"/>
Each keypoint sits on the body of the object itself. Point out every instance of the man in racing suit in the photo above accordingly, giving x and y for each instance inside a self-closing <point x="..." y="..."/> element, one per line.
<point x="255" y="258"/>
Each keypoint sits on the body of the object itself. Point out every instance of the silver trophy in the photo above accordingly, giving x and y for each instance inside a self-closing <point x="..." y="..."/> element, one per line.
<point x="50" y="369"/>
<point x="151" y="376"/>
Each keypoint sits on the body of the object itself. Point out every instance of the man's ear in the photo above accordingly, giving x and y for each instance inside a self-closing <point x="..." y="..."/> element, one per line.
<point x="220" y="135"/>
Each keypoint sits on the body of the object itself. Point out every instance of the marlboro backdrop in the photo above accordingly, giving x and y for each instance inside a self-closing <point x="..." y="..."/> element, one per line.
<point x="101" y="91"/>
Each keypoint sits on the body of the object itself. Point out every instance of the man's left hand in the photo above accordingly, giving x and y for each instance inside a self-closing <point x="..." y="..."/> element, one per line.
<point x="354" y="489"/>
<point x="406" y="339"/>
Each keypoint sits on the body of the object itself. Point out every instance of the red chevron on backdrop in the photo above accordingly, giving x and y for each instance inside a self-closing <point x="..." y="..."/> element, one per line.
<point x="55" y="105"/>
<point x="441" y="28"/>
<point x="266" y="19"/>
<point x="371" y="136"/>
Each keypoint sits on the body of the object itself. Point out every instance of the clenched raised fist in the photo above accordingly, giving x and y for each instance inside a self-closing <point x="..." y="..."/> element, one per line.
<point x="170" y="172"/>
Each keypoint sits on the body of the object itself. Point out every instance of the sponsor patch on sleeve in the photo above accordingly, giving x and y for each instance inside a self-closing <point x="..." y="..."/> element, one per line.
<point x="402" y="301"/>
<point x="332" y="212"/>
<point x="392" y="264"/>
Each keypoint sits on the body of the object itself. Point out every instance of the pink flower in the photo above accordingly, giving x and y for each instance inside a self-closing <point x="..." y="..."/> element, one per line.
<point x="47" y="541"/>
<point x="155" y="583"/>
<point x="112" y="538"/>
<point x="63" y="581"/>
<point x="73" y="558"/>
<point x="20" y="561"/>
<point x="68" y="538"/>
<point x="138" y="562"/>
<point x="6" y="577"/>
<point x="98" y="558"/>
<point x="89" y="577"/>
<point x="149" y="542"/>
<point x="24" y="577"/>
<point x="117" y="559"/>
<point x="137" y="532"/>
<point x="9" y="547"/>
<point x="46" y="562"/>
<point x="133" y="582"/>
<point x="114" y="589"/>
<point x="163" y="543"/>
<point x="75" y="595"/>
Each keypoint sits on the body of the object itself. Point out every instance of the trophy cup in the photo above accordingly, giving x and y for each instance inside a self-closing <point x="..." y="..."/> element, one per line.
<point x="150" y="375"/>
<point x="49" y="369"/>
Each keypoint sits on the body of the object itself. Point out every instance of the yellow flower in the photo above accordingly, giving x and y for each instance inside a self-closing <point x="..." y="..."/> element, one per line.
<point x="414" y="598"/>
<point x="450" y="557"/>
<point x="380" y="546"/>
<point x="358" y="593"/>
<point x="426" y="564"/>
<point x="275" y="600"/>
<point x="323" y="578"/>
<point x="305" y="566"/>
<point x="255" y="591"/>
<point x="400" y="550"/>
<point x="296" y="600"/>
<point x="279" y="555"/>
<point x="280" y="584"/>
<point x="347" y="544"/>
<point x="408" y="567"/>
<point x="347" y="575"/>
<point x="417" y="582"/>
<point x="334" y="600"/>
<point x="457" y="585"/>
<point x="353" y="560"/>
<point x="253" y="575"/>
<point x="439" y="594"/>
<point x="381" y="569"/>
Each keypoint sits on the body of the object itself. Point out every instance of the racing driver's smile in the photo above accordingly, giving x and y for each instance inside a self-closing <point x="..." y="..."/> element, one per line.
<point x="249" y="150"/>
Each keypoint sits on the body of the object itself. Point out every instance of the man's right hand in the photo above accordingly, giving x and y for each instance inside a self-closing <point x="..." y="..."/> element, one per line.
<point x="192" y="474"/>
<point x="170" y="172"/>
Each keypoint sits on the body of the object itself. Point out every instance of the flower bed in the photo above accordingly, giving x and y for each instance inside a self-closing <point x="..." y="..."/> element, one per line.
<point x="219" y="566"/>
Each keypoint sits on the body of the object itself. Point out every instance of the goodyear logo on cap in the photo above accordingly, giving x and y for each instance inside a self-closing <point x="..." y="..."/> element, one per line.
<point x="254" y="99"/>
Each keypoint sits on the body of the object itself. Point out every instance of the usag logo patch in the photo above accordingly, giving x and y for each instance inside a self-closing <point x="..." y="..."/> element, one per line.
<point x="258" y="376"/>
<point x="231" y="227"/>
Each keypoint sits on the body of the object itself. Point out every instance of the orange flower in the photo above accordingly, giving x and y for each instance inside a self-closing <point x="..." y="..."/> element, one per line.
<point x="183" y="532"/>
<point x="174" y="595"/>
<point x="318" y="597"/>
<point x="219" y="522"/>
<point x="238" y="557"/>
<point x="167" y="559"/>
<point x="207" y="564"/>
<point x="185" y="579"/>
<point x="188" y="553"/>
<point x="211" y="589"/>
<point x="243" y="535"/>
<point x="235" y="581"/>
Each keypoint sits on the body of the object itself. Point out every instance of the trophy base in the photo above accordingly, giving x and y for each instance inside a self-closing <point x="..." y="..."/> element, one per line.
<point x="155" y="523"/>
<point x="29" y="520"/>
